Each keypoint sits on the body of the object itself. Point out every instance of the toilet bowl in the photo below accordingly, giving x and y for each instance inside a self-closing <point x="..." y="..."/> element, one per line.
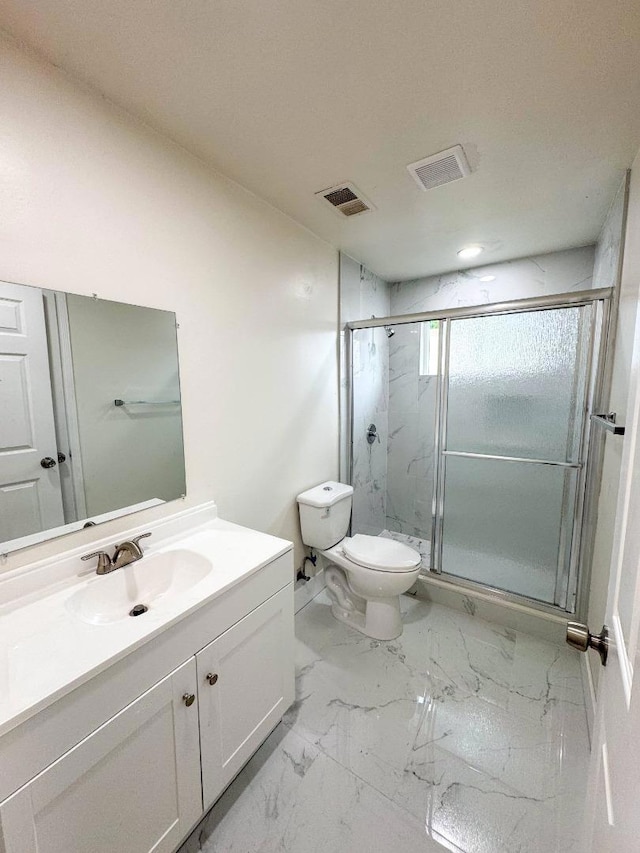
<point x="365" y="575"/>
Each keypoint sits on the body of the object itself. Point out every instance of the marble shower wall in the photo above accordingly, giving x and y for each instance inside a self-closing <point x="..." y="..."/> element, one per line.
<point x="370" y="406"/>
<point x="363" y="294"/>
<point x="412" y="398"/>
<point x="393" y="477"/>
<point x="410" y="453"/>
<point x="539" y="275"/>
<point x="608" y="254"/>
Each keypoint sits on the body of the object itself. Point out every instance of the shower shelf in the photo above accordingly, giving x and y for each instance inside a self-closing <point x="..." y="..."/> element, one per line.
<point x="609" y="423"/>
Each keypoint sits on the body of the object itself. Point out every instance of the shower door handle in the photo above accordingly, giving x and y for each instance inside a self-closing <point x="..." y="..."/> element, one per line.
<point x="608" y="421"/>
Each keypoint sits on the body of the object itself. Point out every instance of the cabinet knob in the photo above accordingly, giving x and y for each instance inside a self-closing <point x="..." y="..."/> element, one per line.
<point x="189" y="699"/>
<point x="211" y="677"/>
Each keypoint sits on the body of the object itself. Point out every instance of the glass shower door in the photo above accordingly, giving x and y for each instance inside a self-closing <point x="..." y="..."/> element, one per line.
<point x="514" y="397"/>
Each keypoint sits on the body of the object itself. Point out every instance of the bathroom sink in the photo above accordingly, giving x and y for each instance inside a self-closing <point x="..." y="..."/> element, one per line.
<point x="139" y="587"/>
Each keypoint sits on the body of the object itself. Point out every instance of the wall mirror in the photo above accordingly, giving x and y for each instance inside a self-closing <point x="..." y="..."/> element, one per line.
<point x="90" y="412"/>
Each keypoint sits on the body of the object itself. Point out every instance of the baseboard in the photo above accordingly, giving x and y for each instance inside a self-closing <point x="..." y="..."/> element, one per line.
<point x="547" y="626"/>
<point x="305" y="591"/>
<point x="590" y="699"/>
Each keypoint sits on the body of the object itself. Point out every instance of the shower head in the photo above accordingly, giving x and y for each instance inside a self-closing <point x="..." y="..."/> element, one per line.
<point x="390" y="332"/>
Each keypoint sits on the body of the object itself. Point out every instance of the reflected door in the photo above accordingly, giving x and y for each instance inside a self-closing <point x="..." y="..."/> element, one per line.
<point x="514" y="400"/>
<point x="30" y="495"/>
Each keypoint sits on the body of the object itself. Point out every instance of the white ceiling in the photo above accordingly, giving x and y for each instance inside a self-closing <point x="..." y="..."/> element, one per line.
<point x="291" y="96"/>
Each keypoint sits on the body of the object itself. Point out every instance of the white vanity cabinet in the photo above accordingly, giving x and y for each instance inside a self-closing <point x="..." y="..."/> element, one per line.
<point x="129" y="760"/>
<point x="244" y="688"/>
<point x="131" y="786"/>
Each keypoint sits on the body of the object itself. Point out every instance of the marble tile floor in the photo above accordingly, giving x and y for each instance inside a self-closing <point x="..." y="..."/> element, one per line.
<point x="460" y="735"/>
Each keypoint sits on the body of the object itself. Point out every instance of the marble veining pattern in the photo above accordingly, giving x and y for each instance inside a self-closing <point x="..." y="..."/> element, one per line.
<point x="362" y="295"/>
<point x="609" y="245"/>
<point x="410" y="446"/>
<point x="539" y="275"/>
<point x="393" y="481"/>
<point x="423" y="546"/>
<point x="460" y="735"/>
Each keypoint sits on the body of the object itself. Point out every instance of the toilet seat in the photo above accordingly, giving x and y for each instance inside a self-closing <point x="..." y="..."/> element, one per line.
<point x="380" y="554"/>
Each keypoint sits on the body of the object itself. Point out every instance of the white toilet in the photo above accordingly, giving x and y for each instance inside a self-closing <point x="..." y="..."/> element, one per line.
<point x="365" y="575"/>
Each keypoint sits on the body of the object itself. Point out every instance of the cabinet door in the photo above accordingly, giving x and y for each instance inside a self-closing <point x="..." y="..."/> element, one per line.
<point x="133" y="786"/>
<point x="246" y="683"/>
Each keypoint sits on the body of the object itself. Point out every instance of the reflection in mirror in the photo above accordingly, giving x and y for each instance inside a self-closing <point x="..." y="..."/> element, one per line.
<point x="90" y="412"/>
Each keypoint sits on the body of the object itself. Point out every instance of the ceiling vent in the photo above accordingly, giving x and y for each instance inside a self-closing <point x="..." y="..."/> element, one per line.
<point x="346" y="199"/>
<point x="439" y="169"/>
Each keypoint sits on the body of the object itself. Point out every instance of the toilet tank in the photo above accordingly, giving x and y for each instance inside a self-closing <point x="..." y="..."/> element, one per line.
<point x="325" y="511"/>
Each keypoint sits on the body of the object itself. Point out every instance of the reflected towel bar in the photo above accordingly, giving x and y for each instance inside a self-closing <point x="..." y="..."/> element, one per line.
<point x="609" y="423"/>
<point x="145" y="402"/>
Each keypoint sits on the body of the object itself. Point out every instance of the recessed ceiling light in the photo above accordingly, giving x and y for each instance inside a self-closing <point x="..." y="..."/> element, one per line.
<point x="487" y="278"/>
<point x="470" y="251"/>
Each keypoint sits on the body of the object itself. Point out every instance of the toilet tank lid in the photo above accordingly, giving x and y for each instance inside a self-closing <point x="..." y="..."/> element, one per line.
<point x="326" y="494"/>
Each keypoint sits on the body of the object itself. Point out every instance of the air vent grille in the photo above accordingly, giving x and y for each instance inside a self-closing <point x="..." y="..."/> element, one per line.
<point x="338" y="197"/>
<point x="346" y="199"/>
<point x="353" y="207"/>
<point x="441" y="168"/>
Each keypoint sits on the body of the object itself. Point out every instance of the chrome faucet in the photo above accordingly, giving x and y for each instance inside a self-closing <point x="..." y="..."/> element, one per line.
<point x="125" y="553"/>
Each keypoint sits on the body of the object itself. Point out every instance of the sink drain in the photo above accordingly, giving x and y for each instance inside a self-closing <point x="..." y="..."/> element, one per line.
<point x="138" y="610"/>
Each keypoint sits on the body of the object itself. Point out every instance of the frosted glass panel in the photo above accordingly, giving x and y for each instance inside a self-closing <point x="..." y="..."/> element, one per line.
<point x="502" y="523"/>
<point x="517" y="384"/>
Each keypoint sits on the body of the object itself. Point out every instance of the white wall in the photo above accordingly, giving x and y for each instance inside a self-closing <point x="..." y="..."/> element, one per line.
<point x="93" y="202"/>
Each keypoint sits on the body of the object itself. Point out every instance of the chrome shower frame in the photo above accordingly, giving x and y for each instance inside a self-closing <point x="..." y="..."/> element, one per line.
<point x="571" y="592"/>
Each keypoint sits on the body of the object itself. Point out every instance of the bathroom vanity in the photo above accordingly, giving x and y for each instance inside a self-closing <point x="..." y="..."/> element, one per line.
<point x="116" y="732"/>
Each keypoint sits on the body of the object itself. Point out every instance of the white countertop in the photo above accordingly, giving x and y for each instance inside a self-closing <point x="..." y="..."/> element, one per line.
<point x="45" y="652"/>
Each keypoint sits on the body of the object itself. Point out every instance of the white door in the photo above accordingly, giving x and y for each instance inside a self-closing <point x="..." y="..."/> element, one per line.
<point x="30" y="495"/>
<point x="245" y="684"/>
<point x="613" y="807"/>
<point x="133" y="786"/>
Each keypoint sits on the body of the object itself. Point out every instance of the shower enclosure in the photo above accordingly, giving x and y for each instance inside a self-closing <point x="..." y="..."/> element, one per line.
<point x="470" y="434"/>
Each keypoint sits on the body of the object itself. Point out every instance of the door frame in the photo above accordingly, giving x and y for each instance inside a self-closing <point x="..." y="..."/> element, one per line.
<point x="64" y="402"/>
<point x="588" y="474"/>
